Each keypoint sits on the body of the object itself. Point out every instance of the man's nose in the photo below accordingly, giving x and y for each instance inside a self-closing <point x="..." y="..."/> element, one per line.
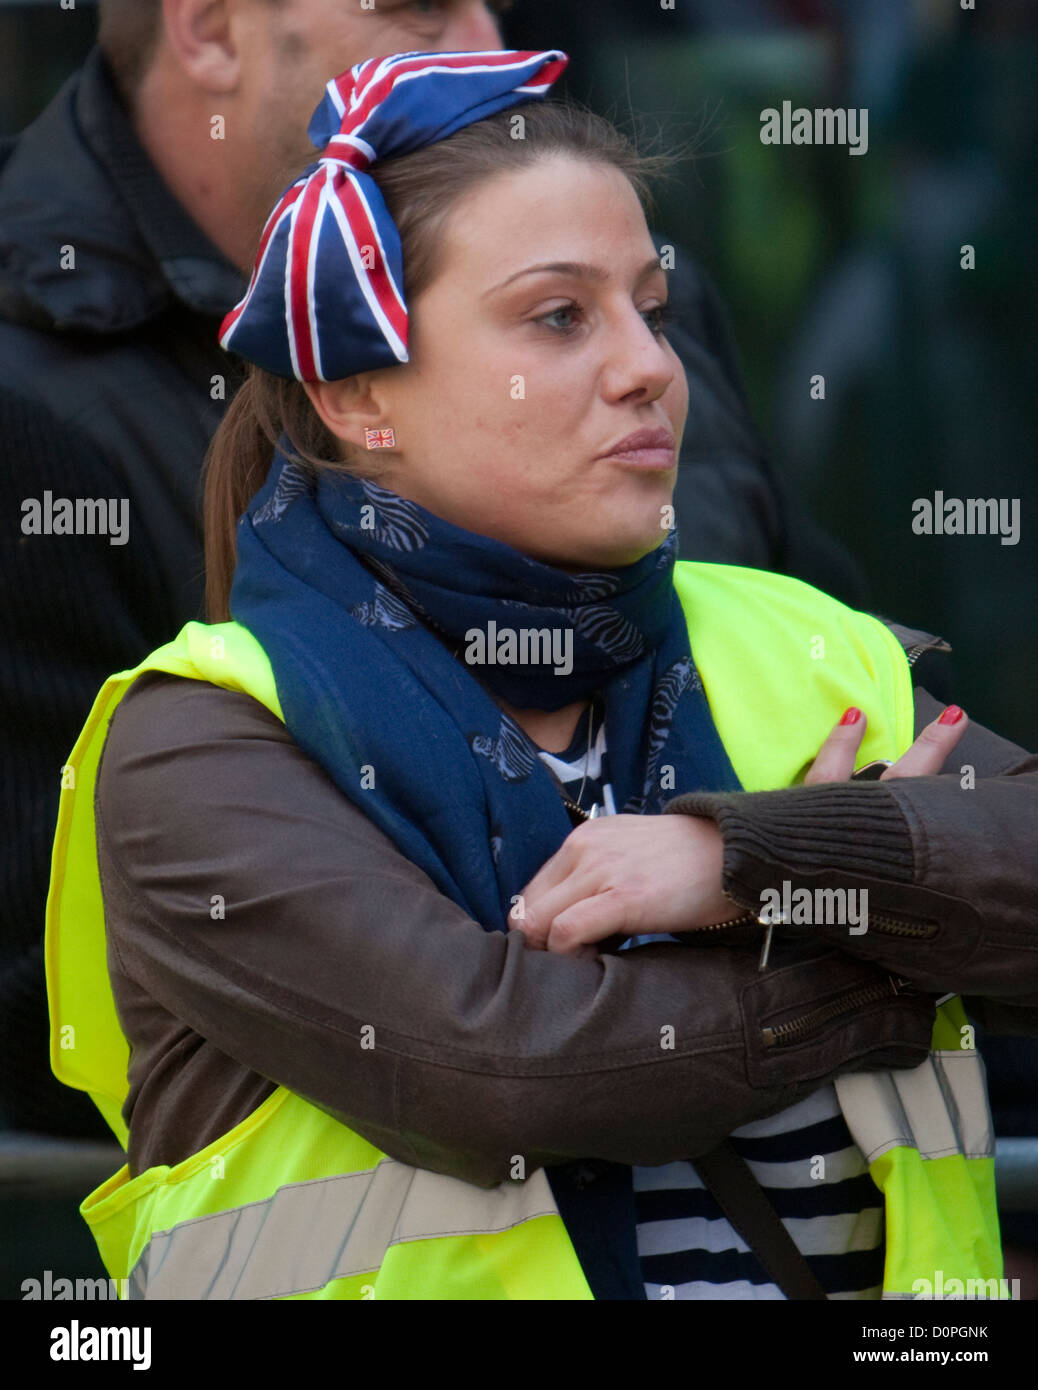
<point x="474" y="27"/>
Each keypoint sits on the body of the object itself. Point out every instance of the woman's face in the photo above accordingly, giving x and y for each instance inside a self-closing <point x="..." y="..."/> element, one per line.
<point x="535" y="354"/>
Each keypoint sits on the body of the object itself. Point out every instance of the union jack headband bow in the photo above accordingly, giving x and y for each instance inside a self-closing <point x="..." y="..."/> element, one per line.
<point x="326" y="299"/>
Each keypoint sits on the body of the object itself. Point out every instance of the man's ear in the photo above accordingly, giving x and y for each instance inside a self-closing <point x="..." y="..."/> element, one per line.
<point x="348" y="407"/>
<point x="202" y="38"/>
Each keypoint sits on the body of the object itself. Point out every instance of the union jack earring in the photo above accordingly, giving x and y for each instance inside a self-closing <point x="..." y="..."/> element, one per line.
<point x="380" y="439"/>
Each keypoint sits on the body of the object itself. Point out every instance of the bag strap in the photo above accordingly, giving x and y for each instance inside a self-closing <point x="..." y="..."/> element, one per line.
<point x="738" y="1193"/>
<point x="745" y="1203"/>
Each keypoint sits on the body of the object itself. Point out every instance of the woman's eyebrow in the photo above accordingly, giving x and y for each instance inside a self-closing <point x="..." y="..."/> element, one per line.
<point x="578" y="269"/>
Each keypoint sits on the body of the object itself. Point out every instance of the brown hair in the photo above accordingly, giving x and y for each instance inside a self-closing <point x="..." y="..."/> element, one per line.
<point x="420" y="190"/>
<point x="128" y="33"/>
<point x="128" y="36"/>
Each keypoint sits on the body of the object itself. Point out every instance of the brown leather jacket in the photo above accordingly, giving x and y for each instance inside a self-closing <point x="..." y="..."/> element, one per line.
<point x="484" y="1048"/>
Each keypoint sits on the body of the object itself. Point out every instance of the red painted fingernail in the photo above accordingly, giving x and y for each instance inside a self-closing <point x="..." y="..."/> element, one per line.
<point x="851" y="716"/>
<point x="951" y="715"/>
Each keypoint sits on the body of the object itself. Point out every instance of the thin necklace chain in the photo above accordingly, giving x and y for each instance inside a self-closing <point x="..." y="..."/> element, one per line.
<point x="587" y="755"/>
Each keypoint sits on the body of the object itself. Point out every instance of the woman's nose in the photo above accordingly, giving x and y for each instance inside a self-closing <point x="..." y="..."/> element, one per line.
<point x="638" y="360"/>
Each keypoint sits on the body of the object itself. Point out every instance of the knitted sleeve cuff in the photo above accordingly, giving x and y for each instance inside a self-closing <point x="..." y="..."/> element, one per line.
<point x="854" y="828"/>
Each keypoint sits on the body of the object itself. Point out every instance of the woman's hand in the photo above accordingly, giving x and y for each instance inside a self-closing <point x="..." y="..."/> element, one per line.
<point x="630" y="875"/>
<point x="927" y="755"/>
<point x="626" y="875"/>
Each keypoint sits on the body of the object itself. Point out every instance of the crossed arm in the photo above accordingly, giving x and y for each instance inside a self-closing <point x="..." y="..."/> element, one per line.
<point x="483" y="1048"/>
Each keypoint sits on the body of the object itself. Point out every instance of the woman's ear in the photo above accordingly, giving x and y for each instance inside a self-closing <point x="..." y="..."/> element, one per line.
<point x="348" y="407"/>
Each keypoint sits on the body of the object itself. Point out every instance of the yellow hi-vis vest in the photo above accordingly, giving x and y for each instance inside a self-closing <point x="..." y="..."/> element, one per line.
<point x="292" y="1204"/>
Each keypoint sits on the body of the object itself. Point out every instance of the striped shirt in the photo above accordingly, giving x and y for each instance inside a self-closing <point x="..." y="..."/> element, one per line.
<point x="804" y="1158"/>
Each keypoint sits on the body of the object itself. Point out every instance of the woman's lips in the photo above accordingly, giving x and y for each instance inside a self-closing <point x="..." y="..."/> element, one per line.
<point x="647" y="448"/>
<point x="646" y="458"/>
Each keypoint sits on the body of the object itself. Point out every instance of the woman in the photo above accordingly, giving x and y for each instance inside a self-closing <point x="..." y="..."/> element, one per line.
<point x="337" y="1085"/>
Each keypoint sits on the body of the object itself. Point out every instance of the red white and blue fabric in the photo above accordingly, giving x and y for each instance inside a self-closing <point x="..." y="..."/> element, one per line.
<point x="326" y="295"/>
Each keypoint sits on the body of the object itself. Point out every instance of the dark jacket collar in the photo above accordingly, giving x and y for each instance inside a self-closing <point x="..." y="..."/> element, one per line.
<point x="78" y="176"/>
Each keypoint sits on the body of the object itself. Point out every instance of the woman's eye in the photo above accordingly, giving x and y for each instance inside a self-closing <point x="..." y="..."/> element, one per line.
<point x="658" y="317"/>
<point x="565" y="311"/>
<point x="562" y="318"/>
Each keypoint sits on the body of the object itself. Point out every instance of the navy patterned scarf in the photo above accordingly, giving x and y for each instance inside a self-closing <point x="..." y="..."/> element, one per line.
<point x="361" y="600"/>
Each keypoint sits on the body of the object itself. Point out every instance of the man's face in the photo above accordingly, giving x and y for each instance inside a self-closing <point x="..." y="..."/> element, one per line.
<point x="292" y="49"/>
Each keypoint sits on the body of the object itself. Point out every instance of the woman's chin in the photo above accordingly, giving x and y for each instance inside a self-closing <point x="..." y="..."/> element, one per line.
<point x="628" y="543"/>
<point x="607" y="551"/>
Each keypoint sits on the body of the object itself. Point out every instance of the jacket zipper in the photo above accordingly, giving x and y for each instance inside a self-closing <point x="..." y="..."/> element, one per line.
<point x="889" y="926"/>
<point x="734" y="922"/>
<point x="892" y="926"/>
<point x="935" y="644"/>
<point x="825" y="1013"/>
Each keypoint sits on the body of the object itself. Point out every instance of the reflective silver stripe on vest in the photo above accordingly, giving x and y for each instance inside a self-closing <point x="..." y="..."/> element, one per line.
<point x="309" y="1233"/>
<point x="939" y="1108"/>
<point x="973" y="1290"/>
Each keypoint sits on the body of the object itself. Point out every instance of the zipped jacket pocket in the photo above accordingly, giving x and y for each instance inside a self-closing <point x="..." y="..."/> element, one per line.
<point x="798" y="1029"/>
<point x="830" y="1013"/>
